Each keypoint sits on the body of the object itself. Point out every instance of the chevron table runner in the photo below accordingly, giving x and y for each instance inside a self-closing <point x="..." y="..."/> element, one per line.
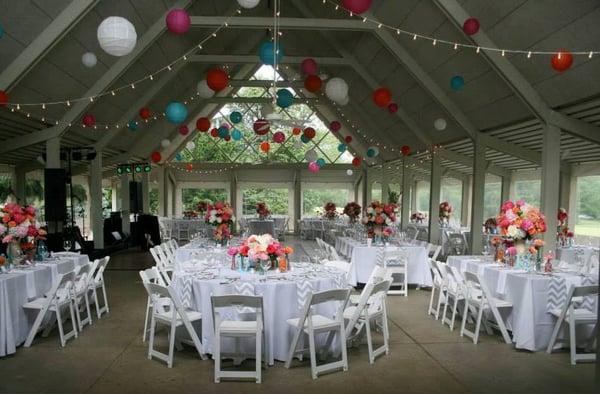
<point x="558" y="290"/>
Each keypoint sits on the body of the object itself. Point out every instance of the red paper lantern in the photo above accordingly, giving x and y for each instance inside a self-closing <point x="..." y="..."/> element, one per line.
<point x="189" y="166"/>
<point x="357" y="6"/>
<point x="214" y="132"/>
<point x="3" y="98"/>
<point x="393" y="108"/>
<point x="382" y="97"/>
<point x="348" y="139"/>
<point x="405" y="150"/>
<point x="279" y="137"/>
<point x="335" y="126"/>
<point x="309" y="133"/>
<point x="156" y="157"/>
<point x="561" y="61"/>
<point x="296" y="130"/>
<point x="313" y="83"/>
<point x="203" y="124"/>
<point x="183" y="130"/>
<point x="471" y="26"/>
<point x="145" y="113"/>
<point x="89" y="120"/>
<point x="265" y="147"/>
<point x="356" y="161"/>
<point x="227" y="138"/>
<point x="261" y="126"/>
<point x="217" y="79"/>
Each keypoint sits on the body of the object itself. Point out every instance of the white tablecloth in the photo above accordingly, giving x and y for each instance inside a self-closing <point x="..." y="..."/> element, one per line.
<point x="281" y="294"/>
<point x="570" y="254"/>
<point x="529" y="320"/>
<point x="364" y="259"/>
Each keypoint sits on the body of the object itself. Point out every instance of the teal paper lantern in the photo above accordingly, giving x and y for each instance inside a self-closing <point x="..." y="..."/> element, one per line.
<point x="132" y="125"/>
<point x="176" y="112"/>
<point x="266" y="53"/>
<point x="236" y="134"/>
<point x="321" y="162"/>
<point x="457" y="82"/>
<point x="304" y="139"/>
<point x="178" y="157"/>
<point x="285" y="98"/>
<point x="372" y="151"/>
<point x="223" y="131"/>
<point x="235" y="117"/>
<point x="1" y="31"/>
<point x="342" y="148"/>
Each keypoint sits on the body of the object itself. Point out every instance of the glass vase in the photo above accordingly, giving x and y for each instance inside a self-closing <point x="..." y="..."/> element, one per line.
<point x="14" y="254"/>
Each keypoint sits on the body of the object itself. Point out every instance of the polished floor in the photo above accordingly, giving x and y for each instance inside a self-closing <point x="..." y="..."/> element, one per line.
<point x="110" y="357"/>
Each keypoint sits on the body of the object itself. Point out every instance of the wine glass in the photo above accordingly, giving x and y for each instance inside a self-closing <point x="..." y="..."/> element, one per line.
<point x="264" y="266"/>
<point x="67" y="245"/>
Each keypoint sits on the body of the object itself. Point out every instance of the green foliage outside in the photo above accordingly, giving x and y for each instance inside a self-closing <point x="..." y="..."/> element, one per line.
<point x="313" y="200"/>
<point x="529" y="191"/>
<point x="588" y="206"/>
<point x="276" y="200"/>
<point x="191" y="197"/>
<point x="153" y="201"/>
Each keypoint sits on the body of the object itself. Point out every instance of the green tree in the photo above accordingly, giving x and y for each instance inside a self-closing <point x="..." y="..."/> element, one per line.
<point x="191" y="197"/>
<point x="276" y="200"/>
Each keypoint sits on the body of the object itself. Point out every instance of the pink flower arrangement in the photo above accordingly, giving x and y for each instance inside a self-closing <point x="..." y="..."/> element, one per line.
<point x="445" y="210"/>
<point x="19" y="225"/>
<point x="221" y="216"/>
<point x="260" y="247"/>
<point x="417" y="217"/>
<point x="519" y="220"/>
<point x="352" y="210"/>
<point x="330" y="211"/>
<point x="262" y="210"/>
<point x="378" y="217"/>
<point x="562" y="216"/>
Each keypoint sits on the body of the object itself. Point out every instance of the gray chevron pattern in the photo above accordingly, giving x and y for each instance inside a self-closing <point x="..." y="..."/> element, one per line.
<point x="558" y="290"/>
<point x="185" y="290"/>
<point x="244" y="288"/>
<point x="304" y="289"/>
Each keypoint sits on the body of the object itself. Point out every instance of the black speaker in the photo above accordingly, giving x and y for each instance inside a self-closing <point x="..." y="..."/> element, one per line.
<point x="136" y="203"/>
<point x="55" y="194"/>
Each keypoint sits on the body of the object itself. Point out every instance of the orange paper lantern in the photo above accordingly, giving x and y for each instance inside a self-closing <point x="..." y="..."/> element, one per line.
<point x="265" y="147"/>
<point x="296" y="131"/>
<point x="189" y="166"/>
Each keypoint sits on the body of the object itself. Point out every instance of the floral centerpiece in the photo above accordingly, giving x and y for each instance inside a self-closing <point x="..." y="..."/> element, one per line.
<point x="262" y="210"/>
<point x="418" y="217"/>
<point x="202" y="207"/>
<point x="562" y="216"/>
<point x="564" y="236"/>
<point x="330" y="211"/>
<point x="20" y="231"/>
<point x="490" y="226"/>
<point x="445" y="212"/>
<point x="378" y="219"/>
<point x="190" y="214"/>
<point x="221" y="216"/>
<point x="263" y="250"/>
<point x="353" y="211"/>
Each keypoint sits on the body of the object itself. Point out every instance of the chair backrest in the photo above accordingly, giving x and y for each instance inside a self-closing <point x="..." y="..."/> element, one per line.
<point x="102" y="264"/>
<point x="61" y="290"/>
<point x="436" y="251"/>
<point x="336" y="295"/>
<point x="395" y="255"/>
<point x="583" y="291"/>
<point x="151" y="275"/>
<point x="442" y="270"/>
<point x="437" y="277"/>
<point x="373" y="298"/>
<point x="160" y="294"/>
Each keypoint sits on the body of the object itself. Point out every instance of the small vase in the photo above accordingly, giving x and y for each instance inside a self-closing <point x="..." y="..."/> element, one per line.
<point x="14" y="253"/>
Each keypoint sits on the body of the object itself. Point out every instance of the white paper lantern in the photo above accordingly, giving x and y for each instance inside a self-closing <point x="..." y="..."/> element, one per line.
<point x="165" y="143"/>
<point x="298" y="144"/>
<point x="349" y="172"/>
<point x="266" y="110"/>
<point x="440" y="124"/>
<point x="117" y="36"/>
<point x="190" y="145"/>
<point x="204" y="91"/>
<point x="345" y="101"/>
<point x="336" y="89"/>
<point x="311" y="155"/>
<point x="248" y="3"/>
<point x="89" y="59"/>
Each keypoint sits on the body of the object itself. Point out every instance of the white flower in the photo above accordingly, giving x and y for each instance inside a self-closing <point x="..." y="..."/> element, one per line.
<point x="219" y="220"/>
<point x="515" y="232"/>
<point x="370" y="210"/>
<point x="213" y="212"/>
<point x="388" y="221"/>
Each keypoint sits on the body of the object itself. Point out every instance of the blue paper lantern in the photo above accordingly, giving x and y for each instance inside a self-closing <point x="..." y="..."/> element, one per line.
<point x="236" y="134"/>
<point x="285" y="98"/>
<point x="457" y="82"/>
<point x="132" y="125"/>
<point x="342" y="148"/>
<point x="304" y="139"/>
<point x="235" y="117"/>
<point x="176" y="112"/>
<point x="223" y="131"/>
<point x="266" y="55"/>
<point x="321" y="162"/>
<point x="178" y="157"/>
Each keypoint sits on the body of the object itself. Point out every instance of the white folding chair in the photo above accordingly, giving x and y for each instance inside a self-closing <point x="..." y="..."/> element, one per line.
<point x="238" y="329"/>
<point x="371" y="308"/>
<point x="436" y="249"/>
<point x="55" y="301"/>
<point x="573" y="314"/>
<point x="310" y="323"/>
<point x="98" y="282"/>
<point x="150" y="275"/>
<point x="396" y="263"/>
<point x="80" y="290"/>
<point x="443" y="288"/>
<point x="378" y="273"/>
<point x="454" y="290"/>
<point x="167" y="310"/>
<point x="342" y="265"/>
<point x="478" y="299"/>
<point x="437" y="285"/>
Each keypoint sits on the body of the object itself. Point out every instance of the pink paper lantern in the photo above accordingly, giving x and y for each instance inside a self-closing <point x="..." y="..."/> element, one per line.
<point x="357" y="6"/>
<point x="89" y="120"/>
<point x="279" y="137"/>
<point x="393" y="108"/>
<point x="471" y="26"/>
<point x="178" y="21"/>
<point x="313" y="167"/>
<point x="335" y="126"/>
<point x="309" y="66"/>
<point x="183" y="130"/>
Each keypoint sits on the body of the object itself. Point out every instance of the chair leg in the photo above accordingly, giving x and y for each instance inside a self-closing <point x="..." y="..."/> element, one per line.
<point x="430" y="308"/>
<point x="98" y="306"/>
<point x="455" y="307"/>
<point x="258" y="357"/>
<point x="152" y="332"/>
<point x="293" y="346"/>
<point x="148" y="306"/>
<point x="344" y="349"/>
<point x="386" y="333"/>
<point x="35" y="327"/>
<point x="217" y="356"/>
<point x="172" y="333"/>
<point x="439" y="304"/>
<point x="73" y="320"/>
<point x="61" y="332"/>
<point x="572" y="340"/>
<point x="464" y="318"/>
<point x="478" y="323"/>
<point x="557" y="326"/>
<point x="313" y="355"/>
<point x="369" y="342"/>
<point x="105" y="298"/>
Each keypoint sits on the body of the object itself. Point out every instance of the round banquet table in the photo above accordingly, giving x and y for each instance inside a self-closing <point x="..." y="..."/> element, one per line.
<point x="283" y="298"/>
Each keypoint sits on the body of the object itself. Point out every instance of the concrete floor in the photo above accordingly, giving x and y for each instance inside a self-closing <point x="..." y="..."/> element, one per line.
<point x="425" y="358"/>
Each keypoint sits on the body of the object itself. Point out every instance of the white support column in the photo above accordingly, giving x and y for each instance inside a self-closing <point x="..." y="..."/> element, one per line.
<point x="297" y="201"/>
<point x="53" y="153"/>
<point x="414" y="194"/>
<point x="434" y="198"/>
<point x="366" y="192"/>
<point x="550" y="187"/>
<point x="505" y="191"/>
<point x="19" y="183"/>
<point x="114" y="196"/>
<point x="96" y="217"/>
<point x="162" y="195"/>
<point x="479" y="167"/>
<point x="233" y="195"/>
<point x="178" y="200"/>
<point x="385" y="186"/>
<point x="465" y="200"/>
<point x="125" y="203"/>
<point x="406" y="197"/>
<point x="145" y="192"/>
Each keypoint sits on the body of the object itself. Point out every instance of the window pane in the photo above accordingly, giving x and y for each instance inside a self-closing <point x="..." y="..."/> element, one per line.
<point x="376" y="191"/>
<point x="276" y="200"/>
<point x="314" y="199"/>
<point x="423" y="197"/>
<point x="587" y="221"/>
<point x="452" y="193"/>
<point x="529" y="191"/>
<point x="191" y="197"/>
<point x="492" y="195"/>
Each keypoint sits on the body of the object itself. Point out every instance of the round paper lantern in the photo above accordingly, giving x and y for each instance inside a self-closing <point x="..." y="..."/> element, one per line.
<point x="309" y="66"/>
<point x="457" y="82"/>
<point x="348" y="139"/>
<point x="3" y="98"/>
<point x="225" y="125"/>
<point x="310" y="133"/>
<point x="204" y="91"/>
<point x="214" y="132"/>
<point x="217" y="79"/>
<point x="261" y="126"/>
<point x="285" y="98"/>
<point x="393" y="108"/>
<point x="471" y="26"/>
<point x="561" y="61"/>
<point x="235" y="117"/>
<point x="344" y="101"/>
<point x="165" y="143"/>
<point x="265" y="147"/>
<point x="223" y="132"/>
<point x="176" y="112"/>
<point x="313" y="167"/>
<point x="313" y="83"/>
<point x="342" y="148"/>
<point x="304" y="139"/>
<point x="190" y="145"/>
<point x="203" y="124"/>
<point x="357" y="6"/>
<point x="405" y="150"/>
<point x="440" y="124"/>
<point x="349" y="172"/>
<point x="178" y="21"/>
<point x="116" y="36"/>
<point x="382" y="97"/>
<point x="373" y="151"/>
<point x="311" y="155"/>
<point x="356" y="162"/>
<point x="88" y="120"/>
<point x="155" y="157"/>
<point x="189" y="166"/>
<point x="267" y="55"/>
<point x="227" y="138"/>
<point x="132" y="125"/>
<point x="296" y="130"/>
<point x="236" y="134"/>
<point x="279" y="137"/>
<point x="145" y="113"/>
<point x="335" y="126"/>
<point x="336" y="89"/>
<point x="248" y="3"/>
<point x="178" y="157"/>
<point x="89" y="59"/>
<point x="298" y="144"/>
<point x="183" y="130"/>
<point x="320" y="162"/>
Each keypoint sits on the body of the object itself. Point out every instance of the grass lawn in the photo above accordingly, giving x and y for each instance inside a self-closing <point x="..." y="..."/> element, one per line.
<point x="588" y="227"/>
